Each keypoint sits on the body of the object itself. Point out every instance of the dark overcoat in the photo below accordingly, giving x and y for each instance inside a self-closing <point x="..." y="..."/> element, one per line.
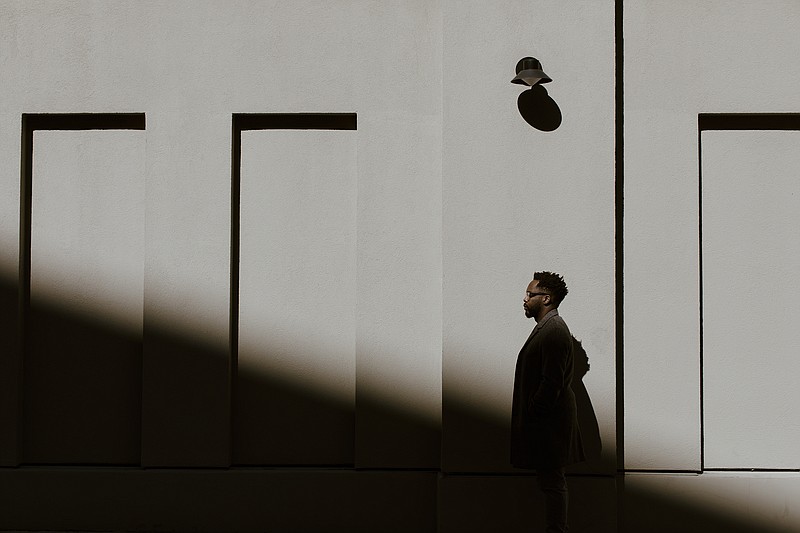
<point x="544" y="419"/>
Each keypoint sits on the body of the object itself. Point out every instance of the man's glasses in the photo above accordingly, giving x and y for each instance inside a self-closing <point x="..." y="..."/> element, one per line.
<point x="532" y="294"/>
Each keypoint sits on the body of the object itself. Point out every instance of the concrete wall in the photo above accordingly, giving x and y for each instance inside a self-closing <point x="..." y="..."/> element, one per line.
<point x="340" y="277"/>
<point x="709" y="368"/>
<point x="299" y="324"/>
<point x="189" y="67"/>
<point x="516" y="200"/>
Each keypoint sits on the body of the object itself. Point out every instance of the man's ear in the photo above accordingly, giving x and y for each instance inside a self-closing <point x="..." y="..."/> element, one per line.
<point x="547" y="299"/>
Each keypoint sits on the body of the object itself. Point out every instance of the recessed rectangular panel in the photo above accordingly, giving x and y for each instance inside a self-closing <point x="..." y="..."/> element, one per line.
<point x="751" y="308"/>
<point x="82" y="370"/>
<point x="294" y="395"/>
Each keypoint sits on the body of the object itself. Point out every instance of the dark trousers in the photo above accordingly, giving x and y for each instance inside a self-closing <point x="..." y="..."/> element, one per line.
<point x="554" y="486"/>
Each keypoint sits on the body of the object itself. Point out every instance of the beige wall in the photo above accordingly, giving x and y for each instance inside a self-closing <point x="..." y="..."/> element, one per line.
<point x="683" y="59"/>
<point x="518" y="200"/>
<point x="389" y="339"/>
<point x="188" y="67"/>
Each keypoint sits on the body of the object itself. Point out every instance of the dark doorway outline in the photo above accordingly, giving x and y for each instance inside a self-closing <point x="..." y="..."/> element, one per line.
<point x="252" y="122"/>
<point x="31" y="122"/>
<point x="729" y="122"/>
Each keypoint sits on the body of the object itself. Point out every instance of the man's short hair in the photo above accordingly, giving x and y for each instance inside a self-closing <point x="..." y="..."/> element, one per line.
<point x="552" y="283"/>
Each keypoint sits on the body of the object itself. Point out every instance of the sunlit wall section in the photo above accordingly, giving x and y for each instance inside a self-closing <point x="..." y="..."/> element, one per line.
<point x="82" y="379"/>
<point x="186" y="368"/>
<point x="295" y="389"/>
<point x="668" y="82"/>
<point x="517" y="200"/>
<point x="397" y="81"/>
<point x="751" y="260"/>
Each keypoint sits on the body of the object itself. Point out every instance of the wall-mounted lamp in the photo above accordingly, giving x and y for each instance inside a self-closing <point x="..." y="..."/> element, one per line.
<point x="529" y="72"/>
<point x="535" y="105"/>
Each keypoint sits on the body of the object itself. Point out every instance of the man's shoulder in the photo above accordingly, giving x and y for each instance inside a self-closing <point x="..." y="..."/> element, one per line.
<point x="556" y="325"/>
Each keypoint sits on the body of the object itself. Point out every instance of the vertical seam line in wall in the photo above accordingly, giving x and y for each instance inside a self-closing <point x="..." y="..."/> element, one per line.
<point x="700" y="286"/>
<point x="233" y="318"/>
<point x="619" y="197"/>
<point x="24" y="276"/>
<point x="619" y="181"/>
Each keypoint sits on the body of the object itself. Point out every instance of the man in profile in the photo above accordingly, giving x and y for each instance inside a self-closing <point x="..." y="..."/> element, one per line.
<point x="544" y="421"/>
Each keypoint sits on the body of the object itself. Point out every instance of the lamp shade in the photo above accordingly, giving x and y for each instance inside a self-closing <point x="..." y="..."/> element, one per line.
<point x="529" y="72"/>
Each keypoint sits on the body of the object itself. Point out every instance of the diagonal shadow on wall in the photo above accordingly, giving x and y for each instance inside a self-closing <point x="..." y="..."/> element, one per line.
<point x="326" y="497"/>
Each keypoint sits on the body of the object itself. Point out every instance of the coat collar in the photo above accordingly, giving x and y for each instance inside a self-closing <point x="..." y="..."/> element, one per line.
<point x="541" y="323"/>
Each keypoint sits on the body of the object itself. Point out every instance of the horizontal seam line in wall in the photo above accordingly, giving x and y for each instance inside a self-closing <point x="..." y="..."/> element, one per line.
<point x="751" y="470"/>
<point x="523" y="474"/>
<point x="743" y="470"/>
<point x="658" y="471"/>
<point x="310" y="468"/>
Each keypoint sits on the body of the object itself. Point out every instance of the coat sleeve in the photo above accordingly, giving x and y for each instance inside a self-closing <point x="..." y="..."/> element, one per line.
<point x="556" y="345"/>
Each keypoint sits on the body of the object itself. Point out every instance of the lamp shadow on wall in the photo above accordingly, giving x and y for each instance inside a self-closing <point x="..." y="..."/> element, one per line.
<point x="644" y="510"/>
<point x="539" y="109"/>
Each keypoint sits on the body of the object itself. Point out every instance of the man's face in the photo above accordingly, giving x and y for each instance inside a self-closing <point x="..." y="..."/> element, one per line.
<point x="534" y="299"/>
